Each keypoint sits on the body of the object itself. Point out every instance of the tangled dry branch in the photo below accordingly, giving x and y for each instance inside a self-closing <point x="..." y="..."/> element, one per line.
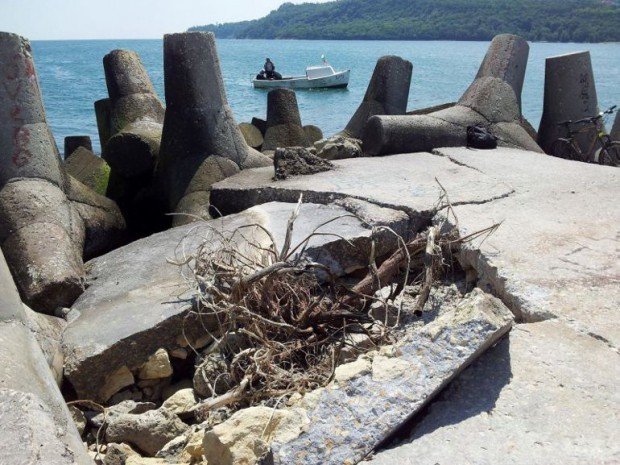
<point x="283" y="319"/>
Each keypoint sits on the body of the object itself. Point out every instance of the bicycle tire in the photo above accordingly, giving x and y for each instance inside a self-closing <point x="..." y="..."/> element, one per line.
<point x="562" y="148"/>
<point x="610" y="154"/>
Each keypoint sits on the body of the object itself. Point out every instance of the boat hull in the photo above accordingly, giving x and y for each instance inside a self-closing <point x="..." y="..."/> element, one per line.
<point x="337" y="81"/>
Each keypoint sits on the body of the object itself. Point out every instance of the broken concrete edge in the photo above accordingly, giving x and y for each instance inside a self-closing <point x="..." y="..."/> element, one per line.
<point x="490" y="276"/>
<point x="390" y="385"/>
<point x="92" y="375"/>
<point x="229" y="200"/>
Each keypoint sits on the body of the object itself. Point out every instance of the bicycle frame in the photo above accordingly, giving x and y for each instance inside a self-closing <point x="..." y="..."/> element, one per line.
<point x="599" y="137"/>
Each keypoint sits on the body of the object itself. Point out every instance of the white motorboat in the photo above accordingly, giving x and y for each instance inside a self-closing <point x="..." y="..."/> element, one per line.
<point x="317" y="77"/>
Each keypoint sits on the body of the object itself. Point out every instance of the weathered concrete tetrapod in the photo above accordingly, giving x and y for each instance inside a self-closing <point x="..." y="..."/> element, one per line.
<point x="387" y="93"/>
<point x="198" y="124"/>
<point x="102" y="113"/>
<point x="45" y="216"/>
<point x="492" y="100"/>
<point x="36" y="425"/>
<point x="37" y="224"/>
<point x="73" y="142"/>
<point x="284" y="127"/>
<point x="136" y="115"/>
<point x="570" y="94"/>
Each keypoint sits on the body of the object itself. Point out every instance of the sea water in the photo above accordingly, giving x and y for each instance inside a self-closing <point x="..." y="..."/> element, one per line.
<point x="71" y="75"/>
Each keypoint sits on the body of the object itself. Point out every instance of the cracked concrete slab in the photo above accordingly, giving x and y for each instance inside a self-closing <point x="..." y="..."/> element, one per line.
<point x="138" y="301"/>
<point x="544" y="395"/>
<point x="405" y="182"/>
<point x="556" y="252"/>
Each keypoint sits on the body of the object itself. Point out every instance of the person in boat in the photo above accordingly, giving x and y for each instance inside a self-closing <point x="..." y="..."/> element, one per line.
<point x="270" y="70"/>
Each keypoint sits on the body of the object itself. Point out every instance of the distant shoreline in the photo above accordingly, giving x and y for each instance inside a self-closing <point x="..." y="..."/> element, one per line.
<point x="315" y="40"/>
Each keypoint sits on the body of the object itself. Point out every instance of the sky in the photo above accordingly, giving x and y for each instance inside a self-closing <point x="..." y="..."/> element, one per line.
<point x="123" y="19"/>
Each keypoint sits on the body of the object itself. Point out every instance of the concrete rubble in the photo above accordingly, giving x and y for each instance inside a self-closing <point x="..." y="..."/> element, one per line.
<point x="509" y="359"/>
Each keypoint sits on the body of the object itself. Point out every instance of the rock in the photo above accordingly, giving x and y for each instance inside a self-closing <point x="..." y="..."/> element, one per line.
<point x="338" y="148"/>
<point x="157" y="366"/>
<point x="212" y="376"/>
<point x="89" y="169"/>
<point x="149" y="431"/>
<point x="294" y="161"/>
<point x="78" y="418"/>
<point x="284" y="127"/>
<point x="406" y="376"/>
<point x="138" y="301"/>
<point x="512" y="397"/>
<point x="118" y="454"/>
<point x="199" y="122"/>
<point x="313" y="133"/>
<point x="355" y="344"/>
<point x="33" y="413"/>
<point x="244" y="438"/>
<point x="122" y="408"/>
<point x="114" y="382"/>
<point x="387" y="93"/>
<point x="72" y="143"/>
<point x="260" y="124"/>
<point x="493" y="100"/>
<point x="181" y="402"/>
<point x="252" y="135"/>
<point x="570" y="94"/>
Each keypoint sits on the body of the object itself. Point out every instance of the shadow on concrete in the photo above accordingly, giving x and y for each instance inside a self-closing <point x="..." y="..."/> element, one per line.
<point x="474" y="391"/>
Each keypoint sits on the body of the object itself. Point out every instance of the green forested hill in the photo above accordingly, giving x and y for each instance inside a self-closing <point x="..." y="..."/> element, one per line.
<point x="537" y="20"/>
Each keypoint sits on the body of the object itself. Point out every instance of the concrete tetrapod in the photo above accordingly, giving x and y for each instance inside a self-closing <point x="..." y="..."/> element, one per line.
<point x="42" y="232"/>
<point x="284" y="127"/>
<point x="387" y="93"/>
<point x="198" y="124"/>
<point x="493" y="100"/>
<point x="134" y="126"/>
<point x="570" y="94"/>
<point x="37" y="224"/>
<point x="37" y="428"/>
<point x="72" y="143"/>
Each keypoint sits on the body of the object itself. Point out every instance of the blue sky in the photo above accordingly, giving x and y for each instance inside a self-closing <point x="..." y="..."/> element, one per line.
<point x="123" y="19"/>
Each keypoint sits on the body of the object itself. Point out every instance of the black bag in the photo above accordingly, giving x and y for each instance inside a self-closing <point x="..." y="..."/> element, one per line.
<point x="480" y="138"/>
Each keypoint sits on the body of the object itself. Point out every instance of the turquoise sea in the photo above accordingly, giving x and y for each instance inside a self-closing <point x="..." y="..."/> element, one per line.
<point x="71" y="75"/>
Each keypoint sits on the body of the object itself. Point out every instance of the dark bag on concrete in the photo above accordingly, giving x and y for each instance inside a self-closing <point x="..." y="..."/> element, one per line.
<point x="480" y="138"/>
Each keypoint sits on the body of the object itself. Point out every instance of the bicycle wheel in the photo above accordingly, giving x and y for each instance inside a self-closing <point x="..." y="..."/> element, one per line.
<point x="563" y="148"/>
<point x="610" y="155"/>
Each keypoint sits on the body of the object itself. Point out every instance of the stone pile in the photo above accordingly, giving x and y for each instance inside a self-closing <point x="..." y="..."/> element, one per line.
<point x="493" y="100"/>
